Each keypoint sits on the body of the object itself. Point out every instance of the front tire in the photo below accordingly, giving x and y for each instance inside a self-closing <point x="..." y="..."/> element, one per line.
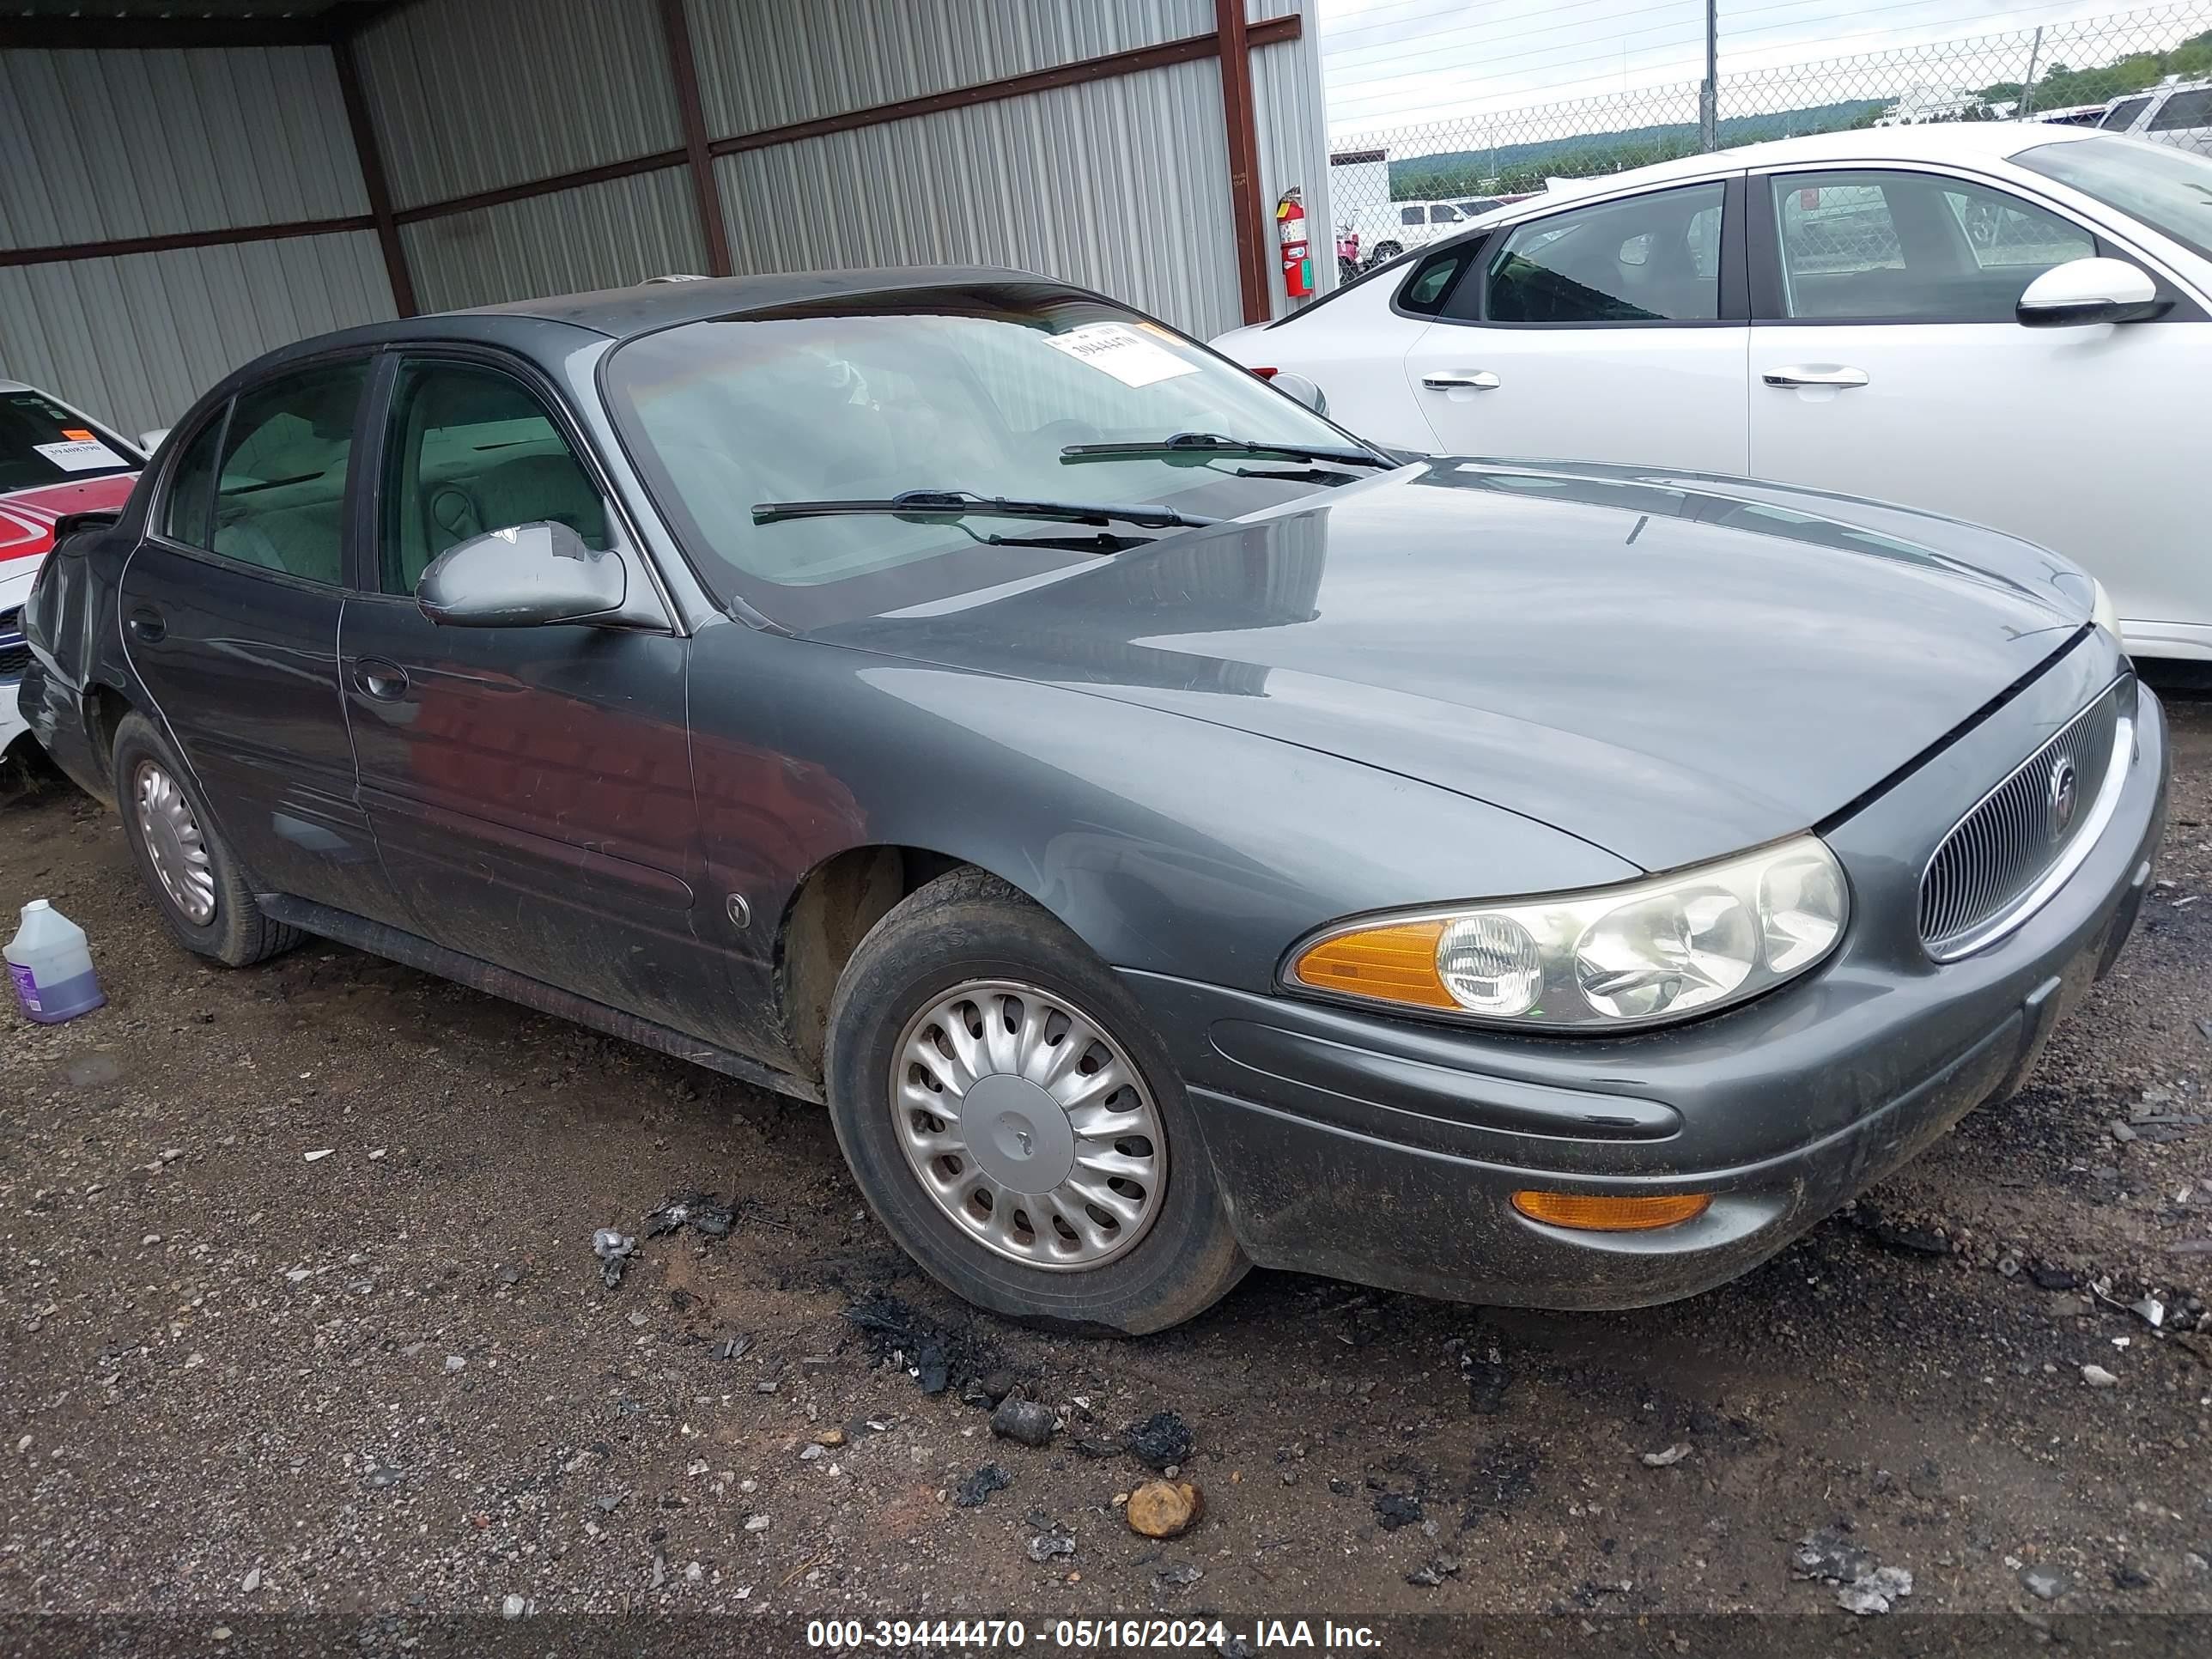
<point x="203" y="894"/>
<point x="1014" y="1123"/>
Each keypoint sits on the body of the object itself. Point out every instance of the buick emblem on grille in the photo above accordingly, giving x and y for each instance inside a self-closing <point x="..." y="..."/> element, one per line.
<point x="2065" y="790"/>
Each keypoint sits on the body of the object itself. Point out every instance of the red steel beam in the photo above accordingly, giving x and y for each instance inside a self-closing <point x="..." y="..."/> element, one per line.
<point x="1246" y="213"/>
<point x="706" y="190"/>
<point x="1189" y="49"/>
<point x="344" y="53"/>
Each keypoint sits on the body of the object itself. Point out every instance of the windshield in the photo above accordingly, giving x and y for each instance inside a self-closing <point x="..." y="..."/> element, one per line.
<point x="2169" y="190"/>
<point x="978" y="389"/>
<point x="43" y="443"/>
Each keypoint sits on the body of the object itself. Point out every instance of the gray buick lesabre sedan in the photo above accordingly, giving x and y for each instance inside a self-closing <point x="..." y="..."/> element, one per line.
<point x="1166" y="833"/>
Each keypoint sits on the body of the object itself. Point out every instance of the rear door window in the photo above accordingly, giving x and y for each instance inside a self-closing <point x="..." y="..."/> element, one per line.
<point x="1651" y="258"/>
<point x="280" y="494"/>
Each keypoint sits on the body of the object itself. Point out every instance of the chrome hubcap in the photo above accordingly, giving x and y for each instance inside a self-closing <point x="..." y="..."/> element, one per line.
<point x="173" y="843"/>
<point x="1028" y="1126"/>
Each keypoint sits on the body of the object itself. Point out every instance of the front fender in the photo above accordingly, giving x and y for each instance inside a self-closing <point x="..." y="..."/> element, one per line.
<point x="1168" y="844"/>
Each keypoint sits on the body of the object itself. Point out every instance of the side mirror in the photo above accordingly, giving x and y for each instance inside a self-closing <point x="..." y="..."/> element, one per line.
<point x="532" y="575"/>
<point x="150" y="441"/>
<point x="2089" y="291"/>
<point x="1298" y="386"/>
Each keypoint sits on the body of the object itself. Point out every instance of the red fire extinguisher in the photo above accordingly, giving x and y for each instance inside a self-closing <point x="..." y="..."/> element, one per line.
<point x="1298" y="257"/>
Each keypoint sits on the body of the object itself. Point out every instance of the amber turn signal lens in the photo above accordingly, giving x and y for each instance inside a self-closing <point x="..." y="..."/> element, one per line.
<point x="1390" y="964"/>
<point x="1600" y="1212"/>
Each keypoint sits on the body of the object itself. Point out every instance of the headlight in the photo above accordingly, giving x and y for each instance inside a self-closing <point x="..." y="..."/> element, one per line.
<point x="1638" y="954"/>
<point x="2103" y="611"/>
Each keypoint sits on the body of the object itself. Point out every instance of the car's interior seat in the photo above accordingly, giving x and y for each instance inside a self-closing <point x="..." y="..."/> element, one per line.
<point x="541" y="488"/>
<point x="301" y="538"/>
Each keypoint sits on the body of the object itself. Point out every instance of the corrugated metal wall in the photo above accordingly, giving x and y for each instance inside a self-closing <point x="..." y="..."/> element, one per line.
<point x="107" y="146"/>
<point x="863" y="52"/>
<point x="134" y="340"/>
<point x="606" y="235"/>
<point x="1118" y="184"/>
<point x="1121" y="184"/>
<point x="468" y="95"/>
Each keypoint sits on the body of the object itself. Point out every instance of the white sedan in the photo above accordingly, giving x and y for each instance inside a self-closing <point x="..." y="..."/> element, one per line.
<point x="2011" y="325"/>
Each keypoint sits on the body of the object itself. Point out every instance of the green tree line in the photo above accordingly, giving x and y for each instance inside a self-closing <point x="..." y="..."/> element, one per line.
<point x="1506" y="169"/>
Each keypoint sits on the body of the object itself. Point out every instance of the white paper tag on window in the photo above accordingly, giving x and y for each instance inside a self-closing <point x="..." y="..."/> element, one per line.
<point x="80" y="455"/>
<point x="1120" y="351"/>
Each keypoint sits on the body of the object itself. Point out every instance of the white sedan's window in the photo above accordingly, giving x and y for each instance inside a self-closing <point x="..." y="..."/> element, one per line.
<point x="1878" y="247"/>
<point x="1651" y="258"/>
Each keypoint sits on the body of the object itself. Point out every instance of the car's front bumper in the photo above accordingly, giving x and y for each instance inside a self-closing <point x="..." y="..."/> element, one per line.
<point x="15" y="654"/>
<point x="13" y="725"/>
<point x="1386" y="1150"/>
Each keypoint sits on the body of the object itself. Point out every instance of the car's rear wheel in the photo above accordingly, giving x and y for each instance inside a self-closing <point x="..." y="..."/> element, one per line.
<point x="203" y="894"/>
<point x="1014" y="1123"/>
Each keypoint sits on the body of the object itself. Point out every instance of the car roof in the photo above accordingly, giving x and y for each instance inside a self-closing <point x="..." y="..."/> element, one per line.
<point x="621" y="312"/>
<point x="547" y="329"/>
<point x="1934" y="140"/>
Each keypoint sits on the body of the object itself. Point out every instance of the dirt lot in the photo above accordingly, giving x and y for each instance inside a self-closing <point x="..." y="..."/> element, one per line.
<point x="242" y="1374"/>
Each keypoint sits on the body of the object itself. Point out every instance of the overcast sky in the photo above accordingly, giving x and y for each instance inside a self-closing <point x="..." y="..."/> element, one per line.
<point x="1393" y="63"/>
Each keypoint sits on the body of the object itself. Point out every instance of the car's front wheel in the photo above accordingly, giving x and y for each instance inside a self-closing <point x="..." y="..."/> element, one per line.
<point x="204" y="894"/>
<point x="1014" y="1123"/>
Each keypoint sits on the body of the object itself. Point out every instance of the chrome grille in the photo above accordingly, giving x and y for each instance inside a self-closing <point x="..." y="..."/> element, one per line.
<point x="1994" y="856"/>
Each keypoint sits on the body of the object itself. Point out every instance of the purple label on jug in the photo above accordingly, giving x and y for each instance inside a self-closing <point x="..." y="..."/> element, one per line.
<point x="26" y="987"/>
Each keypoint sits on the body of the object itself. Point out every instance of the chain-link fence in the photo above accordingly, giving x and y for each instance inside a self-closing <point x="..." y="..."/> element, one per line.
<point x="2147" y="72"/>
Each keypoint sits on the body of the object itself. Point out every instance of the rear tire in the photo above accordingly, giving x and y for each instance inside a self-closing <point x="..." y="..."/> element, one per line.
<point x="969" y="999"/>
<point x="195" y="880"/>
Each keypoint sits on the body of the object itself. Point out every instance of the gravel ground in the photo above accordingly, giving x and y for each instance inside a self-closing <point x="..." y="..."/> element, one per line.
<point x="302" y="1314"/>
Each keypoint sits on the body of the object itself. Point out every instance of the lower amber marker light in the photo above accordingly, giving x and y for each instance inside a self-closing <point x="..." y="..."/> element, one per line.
<point x="1603" y="1213"/>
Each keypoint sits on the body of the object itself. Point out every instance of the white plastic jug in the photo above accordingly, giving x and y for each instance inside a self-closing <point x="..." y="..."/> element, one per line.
<point x="51" y="966"/>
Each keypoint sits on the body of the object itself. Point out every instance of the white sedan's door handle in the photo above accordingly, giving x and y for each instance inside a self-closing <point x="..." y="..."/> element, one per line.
<point x="1833" y="375"/>
<point x="1481" y="380"/>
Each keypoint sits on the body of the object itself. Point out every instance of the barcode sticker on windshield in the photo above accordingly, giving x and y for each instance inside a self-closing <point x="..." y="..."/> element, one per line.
<point x="1124" y="353"/>
<point x="80" y="455"/>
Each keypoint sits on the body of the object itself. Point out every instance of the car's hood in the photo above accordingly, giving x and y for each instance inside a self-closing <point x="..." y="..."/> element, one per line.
<point x="1671" y="667"/>
<point x="27" y="516"/>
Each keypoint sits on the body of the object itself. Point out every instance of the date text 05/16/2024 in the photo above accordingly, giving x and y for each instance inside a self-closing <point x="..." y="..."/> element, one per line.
<point x="1091" y="1635"/>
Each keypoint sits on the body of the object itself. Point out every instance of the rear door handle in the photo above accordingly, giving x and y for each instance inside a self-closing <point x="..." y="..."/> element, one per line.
<point x="1481" y="380"/>
<point x="148" y="624"/>
<point x="387" y="681"/>
<point x="1834" y="374"/>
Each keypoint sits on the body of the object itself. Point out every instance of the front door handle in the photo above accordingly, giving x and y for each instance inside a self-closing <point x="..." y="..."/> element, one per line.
<point x="1481" y="380"/>
<point x="1831" y="374"/>
<point x="387" y="681"/>
<point x="148" y="624"/>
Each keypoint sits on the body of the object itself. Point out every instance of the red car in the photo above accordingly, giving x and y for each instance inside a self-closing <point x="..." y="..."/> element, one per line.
<point x="53" y="460"/>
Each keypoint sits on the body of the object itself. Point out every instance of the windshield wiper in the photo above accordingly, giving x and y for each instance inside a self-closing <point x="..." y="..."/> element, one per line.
<point x="1105" y="543"/>
<point x="924" y="506"/>
<point x="1196" y="449"/>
